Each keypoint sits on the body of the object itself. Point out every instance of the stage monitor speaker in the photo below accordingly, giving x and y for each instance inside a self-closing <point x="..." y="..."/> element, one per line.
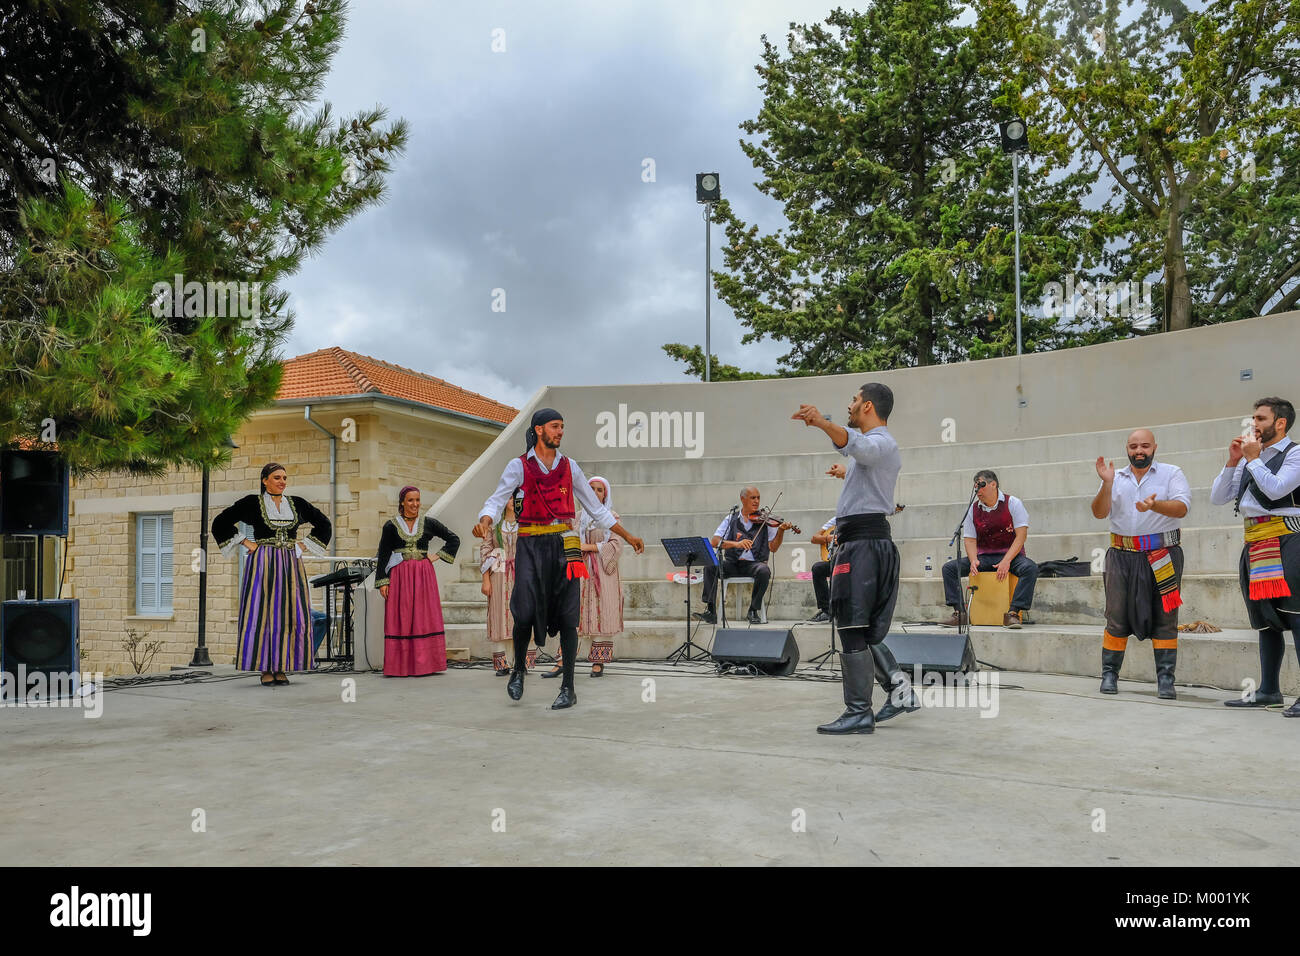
<point x="33" y="493"/>
<point x="932" y="650"/>
<point x="773" y="652"/>
<point x="40" y="635"/>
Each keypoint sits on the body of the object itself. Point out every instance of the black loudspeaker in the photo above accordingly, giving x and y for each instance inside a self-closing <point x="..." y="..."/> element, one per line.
<point x="40" y="635"/>
<point x="932" y="651"/>
<point x="33" y="493"/>
<point x="772" y="652"/>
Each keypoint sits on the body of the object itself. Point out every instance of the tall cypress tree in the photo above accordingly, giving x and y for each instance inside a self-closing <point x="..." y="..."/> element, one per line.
<point x="155" y="144"/>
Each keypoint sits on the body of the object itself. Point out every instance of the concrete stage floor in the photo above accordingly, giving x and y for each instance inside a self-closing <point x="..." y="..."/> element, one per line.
<point x="447" y="770"/>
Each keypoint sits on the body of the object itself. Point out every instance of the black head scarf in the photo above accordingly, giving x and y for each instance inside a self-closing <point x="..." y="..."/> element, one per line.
<point x="542" y="416"/>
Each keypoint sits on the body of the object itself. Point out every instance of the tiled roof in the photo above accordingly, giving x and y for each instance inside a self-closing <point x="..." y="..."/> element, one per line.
<point x="336" y="371"/>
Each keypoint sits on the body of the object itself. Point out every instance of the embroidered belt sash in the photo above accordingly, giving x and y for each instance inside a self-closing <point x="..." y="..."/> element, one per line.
<point x="1156" y="548"/>
<point x="1264" y="554"/>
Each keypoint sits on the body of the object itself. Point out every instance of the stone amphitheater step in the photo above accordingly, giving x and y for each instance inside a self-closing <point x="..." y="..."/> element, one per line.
<point x="1068" y="601"/>
<point x="1224" y="660"/>
<point x="1055" y="452"/>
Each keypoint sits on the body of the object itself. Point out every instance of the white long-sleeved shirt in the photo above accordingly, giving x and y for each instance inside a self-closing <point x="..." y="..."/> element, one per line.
<point x="1287" y="479"/>
<point x="1166" y="482"/>
<point x="513" y="477"/>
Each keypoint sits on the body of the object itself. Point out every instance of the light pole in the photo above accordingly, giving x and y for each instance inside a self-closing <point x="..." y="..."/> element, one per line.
<point x="201" y="658"/>
<point x="707" y="191"/>
<point x="1015" y="140"/>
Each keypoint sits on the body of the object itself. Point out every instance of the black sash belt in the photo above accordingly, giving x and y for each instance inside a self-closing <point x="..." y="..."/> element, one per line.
<point x="860" y="527"/>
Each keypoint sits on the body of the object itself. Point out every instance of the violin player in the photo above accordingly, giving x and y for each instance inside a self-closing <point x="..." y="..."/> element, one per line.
<point x="744" y="540"/>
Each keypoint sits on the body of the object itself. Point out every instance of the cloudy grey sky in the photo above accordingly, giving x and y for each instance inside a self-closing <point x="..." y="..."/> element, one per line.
<point x="524" y="173"/>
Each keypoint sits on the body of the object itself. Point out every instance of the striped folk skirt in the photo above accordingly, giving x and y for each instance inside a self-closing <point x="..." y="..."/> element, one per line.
<point x="274" y="612"/>
<point x="414" y="640"/>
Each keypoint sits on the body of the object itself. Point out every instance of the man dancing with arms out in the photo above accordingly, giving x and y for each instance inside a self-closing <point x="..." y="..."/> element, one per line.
<point x="1263" y="477"/>
<point x="548" y="563"/>
<point x="864" y="581"/>
<point x="1146" y="503"/>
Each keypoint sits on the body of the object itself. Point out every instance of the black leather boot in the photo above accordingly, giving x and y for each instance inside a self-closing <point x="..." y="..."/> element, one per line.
<point x="566" y="697"/>
<point x="894" y="683"/>
<point x="1110" y="664"/>
<point x="857" y="717"/>
<point x="1166" y="658"/>
<point x="515" y="686"/>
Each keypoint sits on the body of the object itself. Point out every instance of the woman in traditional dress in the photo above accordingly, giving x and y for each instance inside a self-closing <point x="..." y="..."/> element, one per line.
<point x="497" y="557"/>
<point x="274" y="606"/>
<point x="415" y="644"/>
<point x="602" y="590"/>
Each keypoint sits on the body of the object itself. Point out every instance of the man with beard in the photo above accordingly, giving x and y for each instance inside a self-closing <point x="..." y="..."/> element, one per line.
<point x="1146" y="503"/>
<point x="1263" y="477"/>
<point x="548" y="559"/>
<point x="864" y="580"/>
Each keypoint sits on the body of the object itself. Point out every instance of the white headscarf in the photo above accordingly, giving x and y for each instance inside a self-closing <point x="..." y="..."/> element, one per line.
<point x="586" y="522"/>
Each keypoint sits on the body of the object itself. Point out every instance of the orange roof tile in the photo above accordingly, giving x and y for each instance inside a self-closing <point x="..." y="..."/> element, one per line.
<point x="336" y="371"/>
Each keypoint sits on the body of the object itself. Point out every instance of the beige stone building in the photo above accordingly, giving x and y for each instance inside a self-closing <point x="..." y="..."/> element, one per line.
<point x="133" y="547"/>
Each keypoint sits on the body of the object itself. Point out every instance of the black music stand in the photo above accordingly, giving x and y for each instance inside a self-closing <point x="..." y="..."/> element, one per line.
<point x="684" y="552"/>
<point x="826" y="655"/>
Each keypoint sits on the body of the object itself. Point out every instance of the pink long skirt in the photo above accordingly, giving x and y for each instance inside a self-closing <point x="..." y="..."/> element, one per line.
<point x="414" y="640"/>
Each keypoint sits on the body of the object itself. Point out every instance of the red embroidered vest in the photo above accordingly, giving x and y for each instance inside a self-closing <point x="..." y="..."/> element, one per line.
<point x="994" y="530"/>
<point x="547" y="497"/>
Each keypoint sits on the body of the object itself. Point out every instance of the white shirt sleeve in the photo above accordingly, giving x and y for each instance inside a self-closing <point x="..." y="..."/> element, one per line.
<point x="771" y="533"/>
<point x="1284" y="482"/>
<point x="1180" y="490"/>
<point x="1224" y="489"/>
<point x="722" y="528"/>
<point x="601" y="516"/>
<point x="968" y="526"/>
<point x="511" y="478"/>
<point x="861" y="448"/>
<point x="1019" y="516"/>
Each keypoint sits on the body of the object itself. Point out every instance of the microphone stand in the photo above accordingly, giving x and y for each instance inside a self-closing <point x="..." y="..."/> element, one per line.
<point x="963" y="611"/>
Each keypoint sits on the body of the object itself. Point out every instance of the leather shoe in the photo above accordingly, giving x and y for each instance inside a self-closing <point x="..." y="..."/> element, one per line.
<point x="754" y="618"/>
<point x="708" y="617"/>
<point x="1260" y="700"/>
<point x="515" y="688"/>
<point x="555" y="671"/>
<point x="566" y="698"/>
<point x="1293" y="710"/>
<point x="957" y="620"/>
<point x="1011" y="619"/>
<point x="821" y="618"/>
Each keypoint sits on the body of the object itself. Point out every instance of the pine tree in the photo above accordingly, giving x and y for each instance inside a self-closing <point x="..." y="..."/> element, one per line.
<point x="151" y="140"/>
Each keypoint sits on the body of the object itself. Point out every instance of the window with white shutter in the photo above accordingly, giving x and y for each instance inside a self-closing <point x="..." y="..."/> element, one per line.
<point x="153" y="563"/>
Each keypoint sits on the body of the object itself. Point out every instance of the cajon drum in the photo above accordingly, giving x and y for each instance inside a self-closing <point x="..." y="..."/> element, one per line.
<point x="992" y="599"/>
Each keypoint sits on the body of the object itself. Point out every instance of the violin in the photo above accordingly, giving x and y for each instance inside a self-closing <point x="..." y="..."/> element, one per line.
<point x="770" y="520"/>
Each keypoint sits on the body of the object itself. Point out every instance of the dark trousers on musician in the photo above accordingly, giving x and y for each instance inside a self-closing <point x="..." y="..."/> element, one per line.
<point x="757" y="570"/>
<point x="821" y="574"/>
<point x="1021" y="567"/>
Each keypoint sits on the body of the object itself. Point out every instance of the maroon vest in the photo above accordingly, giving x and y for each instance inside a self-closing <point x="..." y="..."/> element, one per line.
<point x="994" y="530"/>
<point x="547" y="497"/>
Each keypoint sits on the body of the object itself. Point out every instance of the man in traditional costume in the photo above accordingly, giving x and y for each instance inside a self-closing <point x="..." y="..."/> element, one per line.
<point x="993" y="534"/>
<point x="1146" y="502"/>
<point x="549" y="564"/>
<point x="864" y="580"/>
<point x="1262" y="476"/>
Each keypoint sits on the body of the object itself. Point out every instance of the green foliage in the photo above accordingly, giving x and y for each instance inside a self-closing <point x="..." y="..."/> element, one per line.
<point x="152" y="139"/>
<point x="879" y="138"/>
<point x="1190" y="114"/>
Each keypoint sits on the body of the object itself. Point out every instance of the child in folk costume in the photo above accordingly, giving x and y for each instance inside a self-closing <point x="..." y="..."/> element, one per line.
<point x="415" y="644"/>
<point x="497" y="562"/>
<point x="602" y="590"/>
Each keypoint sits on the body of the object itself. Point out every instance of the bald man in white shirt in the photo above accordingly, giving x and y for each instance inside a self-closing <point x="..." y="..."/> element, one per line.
<point x="1145" y="502"/>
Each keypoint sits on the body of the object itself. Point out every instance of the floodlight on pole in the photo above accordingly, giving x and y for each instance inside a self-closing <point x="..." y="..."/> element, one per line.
<point x="707" y="192"/>
<point x="1015" y="140"/>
